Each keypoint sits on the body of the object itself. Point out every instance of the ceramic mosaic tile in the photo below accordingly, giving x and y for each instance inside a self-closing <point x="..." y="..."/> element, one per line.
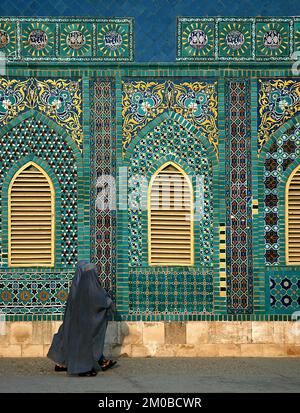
<point x="31" y="139"/>
<point x="66" y="39"/>
<point x="170" y="140"/>
<point x="103" y="171"/>
<point x="284" y="289"/>
<point x="238" y="198"/>
<point x="227" y="112"/>
<point x="194" y="100"/>
<point x="235" y="38"/>
<point x="170" y="291"/>
<point x="37" y="293"/>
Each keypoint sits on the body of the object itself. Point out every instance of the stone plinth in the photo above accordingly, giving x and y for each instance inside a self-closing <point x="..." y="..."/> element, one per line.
<point x="167" y="339"/>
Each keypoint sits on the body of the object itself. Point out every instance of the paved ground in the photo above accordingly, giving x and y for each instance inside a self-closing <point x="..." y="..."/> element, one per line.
<point x="158" y="375"/>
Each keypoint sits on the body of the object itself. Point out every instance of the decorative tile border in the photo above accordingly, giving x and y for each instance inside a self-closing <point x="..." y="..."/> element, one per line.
<point x="34" y="293"/>
<point x="63" y="39"/>
<point x="103" y="170"/>
<point x="238" y="197"/>
<point x="241" y="39"/>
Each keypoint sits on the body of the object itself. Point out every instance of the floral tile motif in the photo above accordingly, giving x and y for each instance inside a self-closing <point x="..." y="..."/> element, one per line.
<point x="278" y="102"/>
<point x="38" y="39"/>
<point x="143" y="100"/>
<point x="59" y="99"/>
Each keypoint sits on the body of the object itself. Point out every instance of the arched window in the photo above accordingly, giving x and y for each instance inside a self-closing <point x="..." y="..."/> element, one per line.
<point x="31" y="218"/>
<point x="292" y="218"/>
<point x="170" y="217"/>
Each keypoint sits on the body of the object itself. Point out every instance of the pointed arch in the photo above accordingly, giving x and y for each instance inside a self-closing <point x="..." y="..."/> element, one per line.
<point x="170" y="217"/>
<point x="180" y="120"/>
<point x="292" y="218"/>
<point x="32" y="113"/>
<point x="31" y="218"/>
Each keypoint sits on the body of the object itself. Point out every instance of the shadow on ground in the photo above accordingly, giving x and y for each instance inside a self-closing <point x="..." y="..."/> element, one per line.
<point x="157" y="375"/>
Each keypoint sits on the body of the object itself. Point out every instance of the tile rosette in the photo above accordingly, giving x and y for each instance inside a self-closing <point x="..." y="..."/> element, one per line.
<point x="67" y="39"/>
<point x="38" y="40"/>
<point x="196" y="39"/>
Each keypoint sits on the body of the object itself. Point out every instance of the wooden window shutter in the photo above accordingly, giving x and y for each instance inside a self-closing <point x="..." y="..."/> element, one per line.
<point x="292" y="218"/>
<point x="31" y="218"/>
<point x="170" y="217"/>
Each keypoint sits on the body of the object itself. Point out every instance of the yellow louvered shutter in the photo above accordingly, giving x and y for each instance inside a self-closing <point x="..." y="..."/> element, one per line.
<point x="31" y="218"/>
<point x="170" y="218"/>
<point x="293" y="218"/>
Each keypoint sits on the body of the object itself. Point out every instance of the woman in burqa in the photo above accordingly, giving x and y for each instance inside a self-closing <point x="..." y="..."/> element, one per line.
<point x="77" y="347"/>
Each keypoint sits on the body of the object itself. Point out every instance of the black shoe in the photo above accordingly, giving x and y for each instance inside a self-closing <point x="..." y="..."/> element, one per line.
<point x="60" y="368"/>
<point x="107" y="364"/>
<point x="91" y="373"/>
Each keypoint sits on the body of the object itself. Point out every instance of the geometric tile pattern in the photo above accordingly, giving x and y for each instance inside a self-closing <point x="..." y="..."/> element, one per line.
<point x="170" y="291"/>
<point x="234" y="38"/>
<point x="31" y="136"/>
<point x="280" y="155"/>
<point x="170" y="139"/>
<point x="278" y="102"/>
<point x="238" y="198"/>
<point x="103" y="171"/>
<point x="59" y="99"/>
<point x="66" y="39"/>
<point x="284" y="291"/>
<point x="34" y="293"/>
<point x="143" y="100"/>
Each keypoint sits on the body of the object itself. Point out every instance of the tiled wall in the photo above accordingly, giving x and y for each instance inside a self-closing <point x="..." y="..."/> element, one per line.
<point x="234" y="125"/>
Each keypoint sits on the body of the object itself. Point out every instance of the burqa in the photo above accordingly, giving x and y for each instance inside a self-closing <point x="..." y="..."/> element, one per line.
<point x="79" y="342"/>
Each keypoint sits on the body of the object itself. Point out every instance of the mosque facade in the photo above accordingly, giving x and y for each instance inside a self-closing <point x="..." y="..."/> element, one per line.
<point x="87" y="136"/>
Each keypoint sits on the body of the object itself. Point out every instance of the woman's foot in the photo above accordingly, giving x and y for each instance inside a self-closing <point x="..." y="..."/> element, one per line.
<point x="60" y="368"/>
<point x="107" y="364"/>
<point x="91" y="373"/>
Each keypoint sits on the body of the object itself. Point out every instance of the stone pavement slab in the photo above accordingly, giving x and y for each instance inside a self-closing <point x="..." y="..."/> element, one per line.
<point x="201" y="375"/>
